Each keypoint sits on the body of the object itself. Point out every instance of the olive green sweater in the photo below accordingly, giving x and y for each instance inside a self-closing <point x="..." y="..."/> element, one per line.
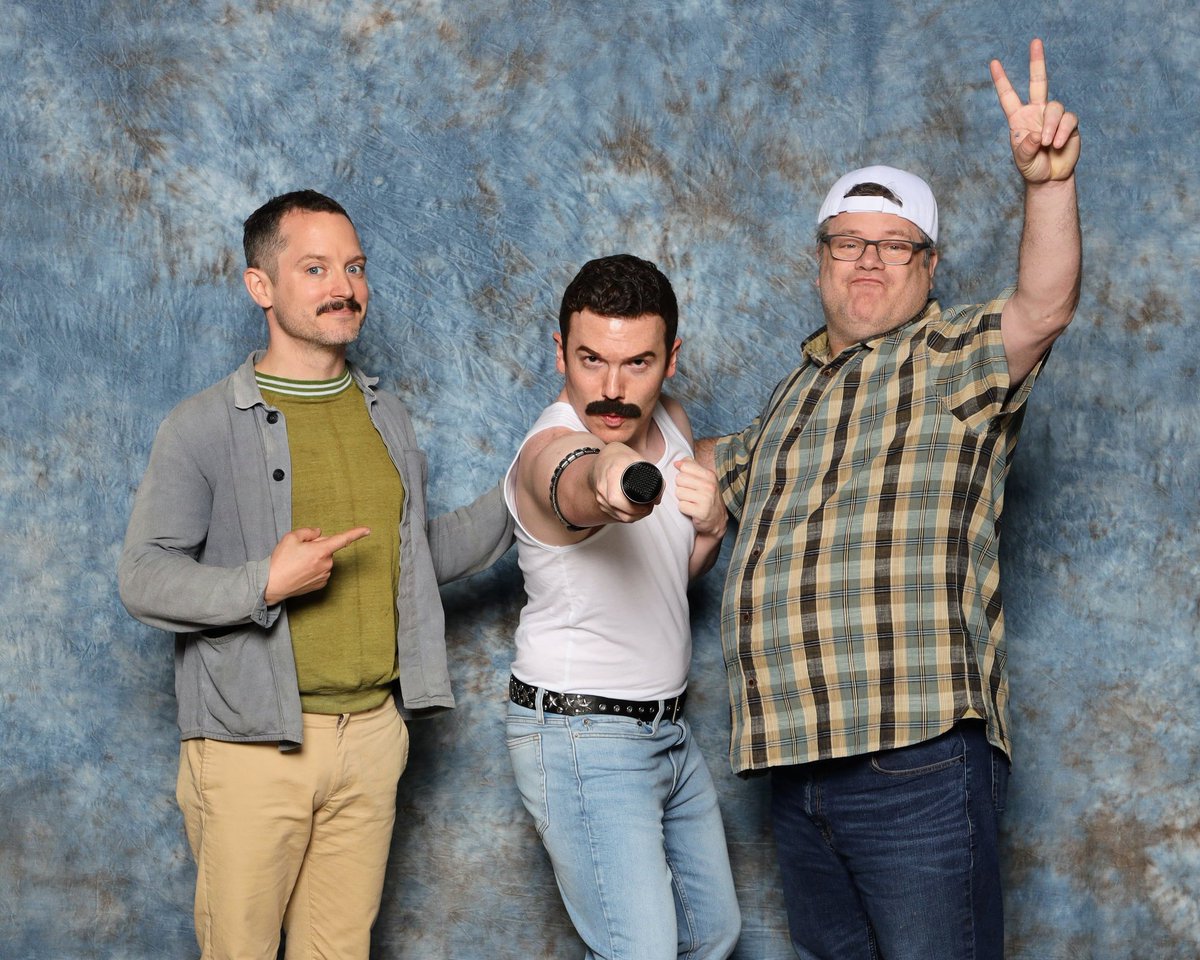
<point x="344" y="635"/>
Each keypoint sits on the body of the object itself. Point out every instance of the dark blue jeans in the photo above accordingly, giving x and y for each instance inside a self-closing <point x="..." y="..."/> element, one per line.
<point x="893" y="855"/>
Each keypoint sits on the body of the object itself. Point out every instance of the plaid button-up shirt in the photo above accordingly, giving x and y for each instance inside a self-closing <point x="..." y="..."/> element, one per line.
<point x="862" y="605"/>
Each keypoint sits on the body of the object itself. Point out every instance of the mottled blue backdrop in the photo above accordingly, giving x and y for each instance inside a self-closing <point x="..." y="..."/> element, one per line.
<point x="486" y="148"/>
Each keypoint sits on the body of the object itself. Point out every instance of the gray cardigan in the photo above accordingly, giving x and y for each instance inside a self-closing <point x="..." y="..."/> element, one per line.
<point x="214" y="502"/>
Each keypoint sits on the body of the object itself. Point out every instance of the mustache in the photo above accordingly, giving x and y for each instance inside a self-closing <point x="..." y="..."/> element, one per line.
<point x="349" y="302"/>
<point x="613" y="408"/>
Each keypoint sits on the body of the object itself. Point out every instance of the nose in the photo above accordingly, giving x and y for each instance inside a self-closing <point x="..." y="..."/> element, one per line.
<point x="870" y="257"/>
<point x="614" y="388"/>
<point x="341" y="286"/>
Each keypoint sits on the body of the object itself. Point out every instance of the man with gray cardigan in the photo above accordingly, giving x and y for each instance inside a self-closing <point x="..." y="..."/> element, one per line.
<point x="280" y="533"/>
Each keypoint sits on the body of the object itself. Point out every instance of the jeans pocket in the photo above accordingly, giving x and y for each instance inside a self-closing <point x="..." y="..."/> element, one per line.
<point x="622" y="728"/>
<point x="525" y="754"/>
<point x="922" y="758"/>
<point x="1000" y="773"/>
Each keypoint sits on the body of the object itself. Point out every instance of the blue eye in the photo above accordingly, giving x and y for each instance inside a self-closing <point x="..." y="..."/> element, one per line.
<point x="357" y="269"/>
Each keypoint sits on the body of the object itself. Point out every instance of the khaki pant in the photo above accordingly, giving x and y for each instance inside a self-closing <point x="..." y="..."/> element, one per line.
<point x="294" y="840"/>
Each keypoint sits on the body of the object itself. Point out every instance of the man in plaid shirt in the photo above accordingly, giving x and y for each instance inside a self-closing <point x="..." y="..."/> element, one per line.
<point x="862" y="619"/>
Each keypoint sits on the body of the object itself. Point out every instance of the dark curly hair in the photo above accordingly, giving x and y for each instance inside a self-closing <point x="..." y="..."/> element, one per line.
<point x="620" y="286"/>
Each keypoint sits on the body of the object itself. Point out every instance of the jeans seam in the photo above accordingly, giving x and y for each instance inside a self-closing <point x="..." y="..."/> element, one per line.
<point x="534" y="738"/>
<point x="686" y="908"/>
<point x="600" y="888"/>
<point x="680" y="889"/>
<point x="973" y="834"/>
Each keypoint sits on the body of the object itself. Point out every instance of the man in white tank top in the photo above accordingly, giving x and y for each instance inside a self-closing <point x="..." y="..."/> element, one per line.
<point x="602" y="754"/>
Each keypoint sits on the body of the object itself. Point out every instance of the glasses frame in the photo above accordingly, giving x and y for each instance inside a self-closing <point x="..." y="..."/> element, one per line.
<point x="917" y="247"/>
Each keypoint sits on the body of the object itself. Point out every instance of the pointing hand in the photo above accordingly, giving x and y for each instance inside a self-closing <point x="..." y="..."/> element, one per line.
<point x="303" y="560"/>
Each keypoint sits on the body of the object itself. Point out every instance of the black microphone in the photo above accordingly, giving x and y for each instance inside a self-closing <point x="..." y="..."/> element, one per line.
<point x="641" y="482"/>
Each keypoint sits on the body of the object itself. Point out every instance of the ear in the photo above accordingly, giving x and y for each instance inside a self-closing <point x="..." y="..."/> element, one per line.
<point x="672" y="358"/>
<point x="258" y="285"/>
<point x="560" y="360"/>
<point x="933" y="262"/>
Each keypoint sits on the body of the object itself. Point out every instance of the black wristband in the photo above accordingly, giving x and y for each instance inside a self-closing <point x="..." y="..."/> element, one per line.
<point x="565" y="462"/>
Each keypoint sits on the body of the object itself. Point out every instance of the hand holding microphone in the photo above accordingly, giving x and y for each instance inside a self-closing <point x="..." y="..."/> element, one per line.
<point x="641" y="482"/>
<point x="626" y="487"/>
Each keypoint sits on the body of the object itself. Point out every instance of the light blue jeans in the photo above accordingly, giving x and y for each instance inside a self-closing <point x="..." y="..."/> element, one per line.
<point x="628" y="814"/>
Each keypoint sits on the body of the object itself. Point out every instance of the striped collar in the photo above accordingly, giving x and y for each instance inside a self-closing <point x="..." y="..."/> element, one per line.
<point x="303" y="388"/>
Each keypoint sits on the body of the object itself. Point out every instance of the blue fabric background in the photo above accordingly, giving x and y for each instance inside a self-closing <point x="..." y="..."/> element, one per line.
<point x="485" y="150"/>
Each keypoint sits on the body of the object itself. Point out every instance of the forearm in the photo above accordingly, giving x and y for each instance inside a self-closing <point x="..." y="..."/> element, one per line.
<point x="161" y="574"/>
<point x="704" y="554"/>
<point x="732" y="468"/>
<point x="1047" y="278"/>
<point x="1051" y="256"/>
<point x="471" y="538"/>
<point x="1045" y="142"/>
<point x="585" y="488"/>
<point x="704" y="452"/>
<point x="173" y="592"/>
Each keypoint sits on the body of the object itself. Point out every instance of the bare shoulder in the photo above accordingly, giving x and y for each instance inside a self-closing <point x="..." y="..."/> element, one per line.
<point x="535" y="446"/>
<point x="543" y="438"/>
<point x="678" y="415"/>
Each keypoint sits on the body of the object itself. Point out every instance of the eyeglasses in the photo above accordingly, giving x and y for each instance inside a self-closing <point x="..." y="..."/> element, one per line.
<point x="893" y="252"/>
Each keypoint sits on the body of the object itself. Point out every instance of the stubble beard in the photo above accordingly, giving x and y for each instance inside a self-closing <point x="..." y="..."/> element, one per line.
<point x="853" y="321"/>
<point x="310" y="330"/>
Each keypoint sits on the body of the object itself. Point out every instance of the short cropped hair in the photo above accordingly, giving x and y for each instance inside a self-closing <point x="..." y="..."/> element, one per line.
<point x="261" y="239"/>
<point x="620" y="286"/>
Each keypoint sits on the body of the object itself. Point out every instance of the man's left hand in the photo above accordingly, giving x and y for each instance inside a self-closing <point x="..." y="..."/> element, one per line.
<point x="1044" y="136"/>
<point x="700" y="498"/>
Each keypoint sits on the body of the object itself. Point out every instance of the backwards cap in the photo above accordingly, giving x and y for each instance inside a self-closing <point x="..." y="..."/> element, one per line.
<point x="916" y="199"/>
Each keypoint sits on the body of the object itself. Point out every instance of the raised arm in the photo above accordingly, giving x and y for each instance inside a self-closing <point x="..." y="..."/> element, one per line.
<point x="1044" y="138"/>
<point x="587" y="486"/>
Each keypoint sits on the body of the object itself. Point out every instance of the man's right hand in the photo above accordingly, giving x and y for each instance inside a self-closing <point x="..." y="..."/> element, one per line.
<point x="303" y="560"/>
<point x="605" y="481"/>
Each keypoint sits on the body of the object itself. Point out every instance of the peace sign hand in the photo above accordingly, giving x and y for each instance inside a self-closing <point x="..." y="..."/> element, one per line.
<point x="1044" y="136"/>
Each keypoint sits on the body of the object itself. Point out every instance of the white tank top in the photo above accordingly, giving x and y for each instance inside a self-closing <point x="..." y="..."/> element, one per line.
<point x="608" y="615"/>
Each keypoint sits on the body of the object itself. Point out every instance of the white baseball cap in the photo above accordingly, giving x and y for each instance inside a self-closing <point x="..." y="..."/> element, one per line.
<point x="916" y="199"/>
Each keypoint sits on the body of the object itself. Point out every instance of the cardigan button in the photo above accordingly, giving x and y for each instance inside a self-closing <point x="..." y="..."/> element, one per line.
<point x="278" y="474"/>
<point x="273" y="417"/>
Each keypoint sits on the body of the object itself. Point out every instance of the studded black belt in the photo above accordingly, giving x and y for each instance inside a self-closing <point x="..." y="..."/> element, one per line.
<point x="579" y="704"/>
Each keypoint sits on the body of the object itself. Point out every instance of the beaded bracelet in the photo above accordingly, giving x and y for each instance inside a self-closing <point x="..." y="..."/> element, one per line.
<point x="565" y="462"/>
